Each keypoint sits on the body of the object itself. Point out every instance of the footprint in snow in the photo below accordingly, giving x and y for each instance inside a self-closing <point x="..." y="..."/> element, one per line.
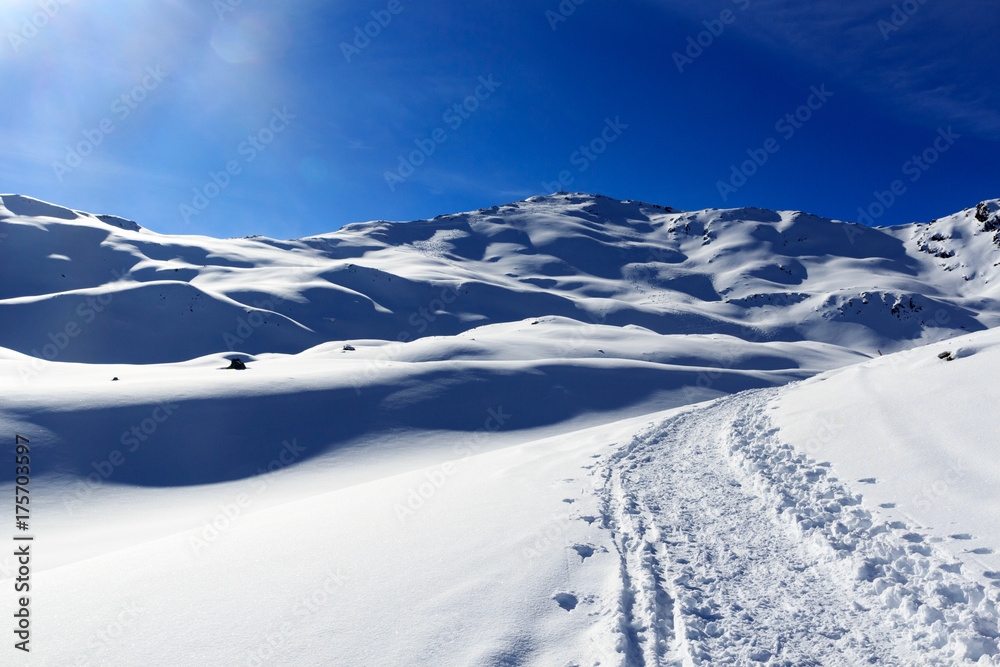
<point x="585" y="551"/>
<point x="868" y="480"/>
<point x="888" y="506"/>
<point x="569" y="500"/>
<point x="567" y="601"/>
<point x="961" y="536"/>
<point x="991" y="575"/>
<point x="981" y="551"/>
<point x="588" y="519"/>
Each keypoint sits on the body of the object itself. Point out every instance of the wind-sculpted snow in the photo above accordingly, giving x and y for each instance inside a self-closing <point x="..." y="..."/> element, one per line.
<point x="752" y="273"/>
<point x="222" y="425"/>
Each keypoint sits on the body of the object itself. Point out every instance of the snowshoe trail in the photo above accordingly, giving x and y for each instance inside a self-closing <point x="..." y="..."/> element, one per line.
<point x="737" y="550"/>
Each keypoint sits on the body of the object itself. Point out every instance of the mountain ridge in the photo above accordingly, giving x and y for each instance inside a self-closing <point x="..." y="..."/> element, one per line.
<point x="753" y="273"/>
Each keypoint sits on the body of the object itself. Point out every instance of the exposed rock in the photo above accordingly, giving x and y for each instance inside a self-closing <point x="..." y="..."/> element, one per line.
<point x="982" y="212"/>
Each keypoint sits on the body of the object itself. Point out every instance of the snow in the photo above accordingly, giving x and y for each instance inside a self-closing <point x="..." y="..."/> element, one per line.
<point x="715" y="579"/>
<point x="919" y="433"/>
<point x="565" y="431"/>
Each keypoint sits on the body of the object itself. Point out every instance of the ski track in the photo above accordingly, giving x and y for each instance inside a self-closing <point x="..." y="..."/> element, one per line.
<point x="736" y="550"/>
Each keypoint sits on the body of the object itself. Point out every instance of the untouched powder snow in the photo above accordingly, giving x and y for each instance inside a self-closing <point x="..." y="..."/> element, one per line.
<point x="568" y="431"/>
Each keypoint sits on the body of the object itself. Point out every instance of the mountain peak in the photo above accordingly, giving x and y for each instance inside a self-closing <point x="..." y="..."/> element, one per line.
<point x="22" y="206"/>
<point x="752" y="273"/>
<point x="28" y="207"/>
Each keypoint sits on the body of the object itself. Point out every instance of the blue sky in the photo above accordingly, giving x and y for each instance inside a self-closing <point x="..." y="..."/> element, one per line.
<point x="234" y="117"/>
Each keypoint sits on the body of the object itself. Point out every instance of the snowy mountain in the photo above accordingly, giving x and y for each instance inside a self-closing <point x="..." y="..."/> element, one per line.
<point x="752" y="273"/>
<point x="565" y="431"/>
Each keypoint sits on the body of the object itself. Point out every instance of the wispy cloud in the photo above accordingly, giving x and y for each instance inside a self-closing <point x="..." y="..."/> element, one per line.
<point x="933" y="65"/>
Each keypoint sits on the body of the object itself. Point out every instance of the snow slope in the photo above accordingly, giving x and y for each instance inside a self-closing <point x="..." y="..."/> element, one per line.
<point x="738" y="547"/>
<point x="701" y="535"/>
<point x="919" y="438"/>
<point x="133" y="296"/>
<point x="565" y="431"/>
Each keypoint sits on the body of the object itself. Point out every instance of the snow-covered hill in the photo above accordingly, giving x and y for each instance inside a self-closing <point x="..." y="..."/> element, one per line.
<point x="565" y="431"/>
<point x="134" y="296"/>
